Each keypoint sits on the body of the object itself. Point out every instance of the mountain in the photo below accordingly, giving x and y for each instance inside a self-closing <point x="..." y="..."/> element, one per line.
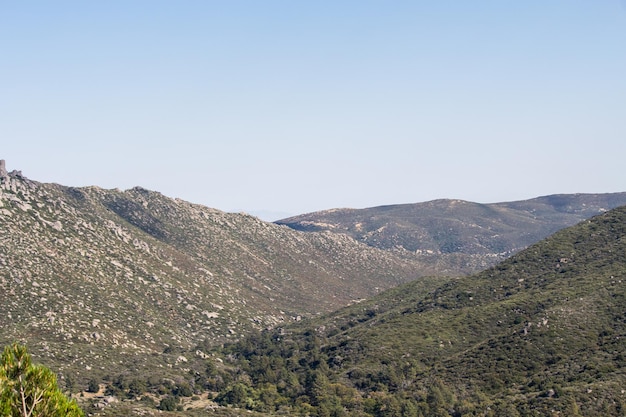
<point x="483" y="234"/>
<point x="98" y="281"/>
<point x="134" y="294"/>
<point x="541" y="333"/>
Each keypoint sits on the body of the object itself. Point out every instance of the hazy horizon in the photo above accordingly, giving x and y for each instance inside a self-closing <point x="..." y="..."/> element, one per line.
<point x="281" y="107"/>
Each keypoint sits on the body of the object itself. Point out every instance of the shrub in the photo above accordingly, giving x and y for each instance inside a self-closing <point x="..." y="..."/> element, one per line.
<point x="168" y="403"/>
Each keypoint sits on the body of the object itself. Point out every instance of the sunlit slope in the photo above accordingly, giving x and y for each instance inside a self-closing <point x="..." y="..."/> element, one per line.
<point x="92" y="277"/>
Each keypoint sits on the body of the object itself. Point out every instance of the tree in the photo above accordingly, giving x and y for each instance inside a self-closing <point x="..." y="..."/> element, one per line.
<point x="93" y="386"/>
<point x="28" y="390"/>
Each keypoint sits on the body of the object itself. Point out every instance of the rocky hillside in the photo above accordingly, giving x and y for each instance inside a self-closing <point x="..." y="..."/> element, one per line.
<point x="95" y="279"/>
<point x="483" y="233"/>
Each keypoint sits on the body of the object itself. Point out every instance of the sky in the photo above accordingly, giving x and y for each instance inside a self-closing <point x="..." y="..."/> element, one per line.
<point x="278" y="108"/>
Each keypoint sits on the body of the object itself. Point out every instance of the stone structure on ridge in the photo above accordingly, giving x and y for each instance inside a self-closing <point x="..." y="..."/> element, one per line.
<point x="3" y="169"/>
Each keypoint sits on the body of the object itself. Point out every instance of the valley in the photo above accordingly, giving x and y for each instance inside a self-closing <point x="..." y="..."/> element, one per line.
<point x="344" y="312"/>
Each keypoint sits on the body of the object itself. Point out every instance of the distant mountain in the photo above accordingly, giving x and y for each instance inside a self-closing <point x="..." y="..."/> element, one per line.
<point x="542" y="333"/>
<point x="99" y="281"/>
<point x="483" y="233"/>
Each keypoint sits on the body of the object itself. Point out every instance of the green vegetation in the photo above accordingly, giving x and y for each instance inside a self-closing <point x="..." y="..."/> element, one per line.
<point x="542" y="333"/>
<point x="31" y="390"/>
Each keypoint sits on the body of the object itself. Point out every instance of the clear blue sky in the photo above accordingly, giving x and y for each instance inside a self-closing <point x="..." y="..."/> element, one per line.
<point x="297" y="106"/>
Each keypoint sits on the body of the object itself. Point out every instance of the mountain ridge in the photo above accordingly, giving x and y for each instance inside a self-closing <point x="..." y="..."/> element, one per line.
<point x="107" y="275"/>
<point x="491" y="231"/>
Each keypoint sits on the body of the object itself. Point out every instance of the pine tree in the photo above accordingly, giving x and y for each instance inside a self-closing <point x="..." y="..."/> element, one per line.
<point x="28" y="390"/>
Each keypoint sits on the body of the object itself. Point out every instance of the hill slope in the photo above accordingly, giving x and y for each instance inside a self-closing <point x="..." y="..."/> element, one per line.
<point x="98" y="279"/>
<point x="542" y="333"/>
<point x="480" y="232"/>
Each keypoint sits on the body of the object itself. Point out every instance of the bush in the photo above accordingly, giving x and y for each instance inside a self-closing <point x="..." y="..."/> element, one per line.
<point x="93" y="386"/>
<point x="168" y="403"/>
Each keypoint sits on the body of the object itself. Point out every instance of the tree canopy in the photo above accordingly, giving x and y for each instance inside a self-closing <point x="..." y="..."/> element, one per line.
<point x="29" y="390"/>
